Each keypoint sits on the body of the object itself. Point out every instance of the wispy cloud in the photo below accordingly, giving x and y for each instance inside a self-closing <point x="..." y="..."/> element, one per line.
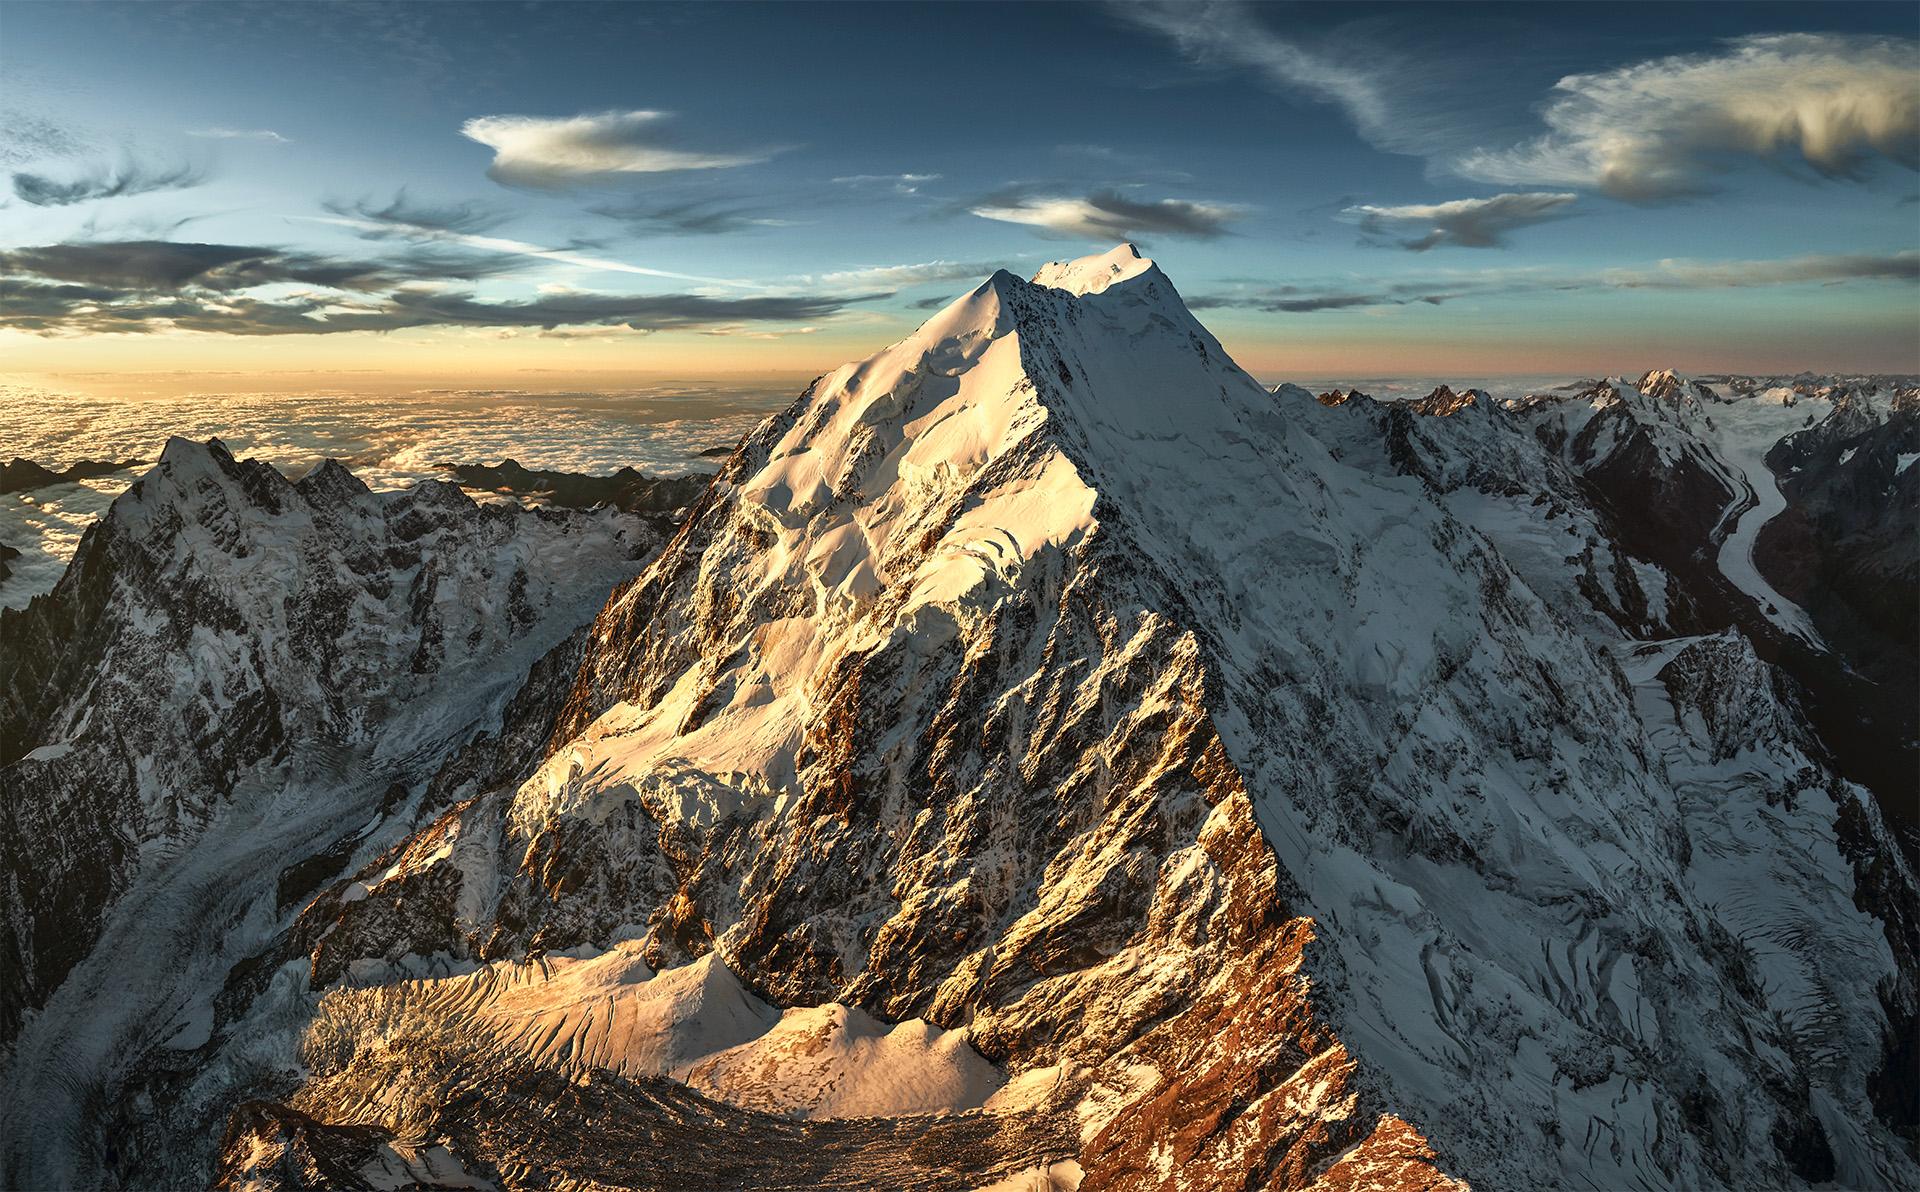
<point x="1108" y="215"/>
<point x="568" y="151"/>
<point x="904" y="184"/>
<point x="147" y="286"/>
<point x="1231" y="34"/>
<point x="1467" y="223"/>
<point x="1681" y="274"/>
<point x="521" y="248"/>
<point x="1662" y="129"/>
<point x="54" y="308"/>
<point x="404" y="216"/>
<point x="1673" y="274"/>
<point x="102" y="182"/>
<point x="239" y="134"/>
<point x="900" y="277"/>
<point x="688" y="217"/>
<point x="157" y="265"/>
<point x="32" y="137"/>
<point x="1652" y="131"/>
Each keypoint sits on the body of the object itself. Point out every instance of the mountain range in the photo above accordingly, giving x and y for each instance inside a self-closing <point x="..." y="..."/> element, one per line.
<point x="1043" y="757"/>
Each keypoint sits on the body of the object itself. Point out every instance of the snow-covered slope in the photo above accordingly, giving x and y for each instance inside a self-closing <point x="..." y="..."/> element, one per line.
<point x="1044" y="678"/>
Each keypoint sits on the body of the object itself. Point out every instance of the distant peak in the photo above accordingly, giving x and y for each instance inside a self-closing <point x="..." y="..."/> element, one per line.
<point x="1090" y="275"/>
<point x="1666" y="384"/>
<point x="1443" y="401"/>
<point x="331" y="480"/>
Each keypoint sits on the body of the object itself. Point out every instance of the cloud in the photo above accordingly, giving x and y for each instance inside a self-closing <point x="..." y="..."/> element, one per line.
<point x="1660" y="130"/>
<point x="521" y="248"/>
<point x="1816" y="268"/>
<point x="900" y="277"/>
<point x="130" y="178"/>
<point x="404" y="217"/>
<point x="34" y="307"/>
<point x="649" y="312"/>
<point x="1301" y="300"/>
<point x="1230" y="34"/>
<point x="145" y="286"/>
<point x="690" y="217"/>
<point x="1649" y="132"/>
<point x="239" y="134"/>
<point x="31" y="137"/>
<point x="155" y="265"/>
<point x="555" y="153"/>
<point x="1439" y="288"/>
<point x="1109" y="215"/>
<point x="1467" y="223"/>
<point x="905" y="184"/>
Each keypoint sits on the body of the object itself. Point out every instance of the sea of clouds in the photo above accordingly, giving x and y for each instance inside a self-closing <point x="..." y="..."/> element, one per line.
<point x="388" y="440"/>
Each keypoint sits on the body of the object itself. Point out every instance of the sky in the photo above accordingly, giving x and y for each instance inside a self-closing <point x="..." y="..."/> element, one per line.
<point x="306" y="195"/>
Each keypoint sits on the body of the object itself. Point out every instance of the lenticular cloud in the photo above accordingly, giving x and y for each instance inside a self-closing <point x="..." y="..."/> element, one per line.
<point x="1654" y="131"/>
<point x="574" y="150"/>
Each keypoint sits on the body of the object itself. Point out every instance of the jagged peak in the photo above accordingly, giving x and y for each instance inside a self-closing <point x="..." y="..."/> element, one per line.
<point x="1666" y="384"/>
<point x="332" y="480"/>
<point x="1444" y="401"/>
<point x="184" y="463"/>
<point x="184" y="452"/>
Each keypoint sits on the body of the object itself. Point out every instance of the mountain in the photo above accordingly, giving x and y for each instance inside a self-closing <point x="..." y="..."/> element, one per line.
<point x="626" y="489"/>
<point x="1046" y="758"/>
<point x="232" y="685"/>
<point x="1743" y="497"/>
<point x="23" y="475"/>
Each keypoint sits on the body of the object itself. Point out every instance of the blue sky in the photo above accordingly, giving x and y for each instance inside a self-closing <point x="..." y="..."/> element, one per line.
<point x="1364" y="189"/>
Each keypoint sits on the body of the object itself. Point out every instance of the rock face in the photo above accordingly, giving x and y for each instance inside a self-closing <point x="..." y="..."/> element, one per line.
<point x="1045" y="754"/>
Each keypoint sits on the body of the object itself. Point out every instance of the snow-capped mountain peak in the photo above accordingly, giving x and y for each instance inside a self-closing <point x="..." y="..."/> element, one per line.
<point x="1092" y="274"/>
